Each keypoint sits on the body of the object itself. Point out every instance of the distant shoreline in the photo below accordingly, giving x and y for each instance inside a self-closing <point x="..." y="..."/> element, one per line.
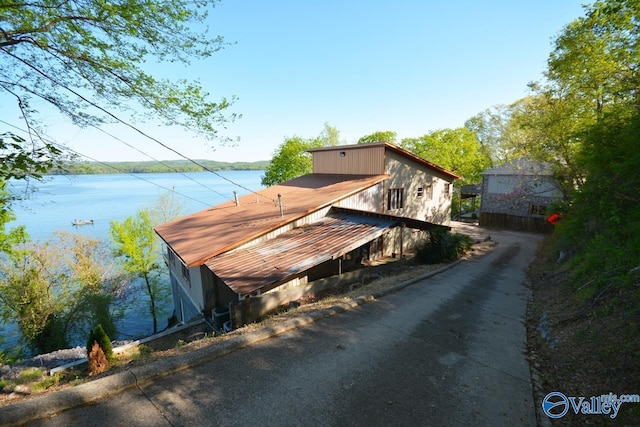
<point x="167" y="166"/>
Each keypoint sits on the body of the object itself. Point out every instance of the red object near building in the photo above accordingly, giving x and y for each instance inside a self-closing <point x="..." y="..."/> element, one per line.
<point x="554" y="218"/>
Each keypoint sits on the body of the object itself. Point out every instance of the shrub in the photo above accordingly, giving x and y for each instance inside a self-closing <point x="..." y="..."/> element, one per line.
<point x="98" y="362"/>
<point x="99" y="336"/>
<point x="442" y="246"/>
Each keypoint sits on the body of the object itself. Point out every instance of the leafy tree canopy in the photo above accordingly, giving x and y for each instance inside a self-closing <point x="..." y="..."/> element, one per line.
<point x="88" y="60"/>
<point x="457" y="150"/>
<point x="380" y="136"/>
<point x="291" y="159"/>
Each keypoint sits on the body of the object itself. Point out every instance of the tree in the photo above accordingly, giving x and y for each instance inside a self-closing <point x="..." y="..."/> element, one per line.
<point x="54" y="290"/>
<point x="89" y="60"/>
<point x="380" y="136"/>
<point x="291" y="159"/>
<point x="595" y="58"/>
<point x="457" y="150"/>
<point x="490" y="128"/>
<point x="136" y="243"/>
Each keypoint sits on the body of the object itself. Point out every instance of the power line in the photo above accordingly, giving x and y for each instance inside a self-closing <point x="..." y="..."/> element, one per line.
<point x="129" y="125"/>
<point x="120" y="170"/>
<point x="159" y="161"/>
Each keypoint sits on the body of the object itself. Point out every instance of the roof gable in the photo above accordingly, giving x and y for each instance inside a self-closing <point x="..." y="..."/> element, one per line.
<point x="391" y="147"/>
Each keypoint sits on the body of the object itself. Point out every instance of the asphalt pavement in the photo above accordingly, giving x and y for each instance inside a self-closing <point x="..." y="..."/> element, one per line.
<point x="446" y="350"/>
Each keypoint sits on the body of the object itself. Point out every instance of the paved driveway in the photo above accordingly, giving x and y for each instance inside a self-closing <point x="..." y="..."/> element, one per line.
<point x="448" y="350"/>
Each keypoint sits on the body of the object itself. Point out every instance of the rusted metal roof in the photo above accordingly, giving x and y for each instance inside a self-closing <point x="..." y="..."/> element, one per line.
<point x="278" y="259"/>
<point x="210" y="232"/>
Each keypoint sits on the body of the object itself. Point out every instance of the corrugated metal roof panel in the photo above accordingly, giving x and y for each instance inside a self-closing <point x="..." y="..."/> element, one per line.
<point x="202" y="235"/>
<point x="250" y="269"/>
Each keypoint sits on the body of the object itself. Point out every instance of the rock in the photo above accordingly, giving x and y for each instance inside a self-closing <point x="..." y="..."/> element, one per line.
<point x="22" y="389"/>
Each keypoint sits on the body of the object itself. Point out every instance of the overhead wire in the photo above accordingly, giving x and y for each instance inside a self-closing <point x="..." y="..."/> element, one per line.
<point x="131" y="126"/>
<point x="121" y="170"/>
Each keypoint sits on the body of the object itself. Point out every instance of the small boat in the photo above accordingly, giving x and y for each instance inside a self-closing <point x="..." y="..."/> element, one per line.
<point x="77" y="222"/>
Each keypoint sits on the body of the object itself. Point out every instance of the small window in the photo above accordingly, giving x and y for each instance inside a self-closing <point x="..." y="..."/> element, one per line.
<point x="537" y="210"/>
<point x="420" y="191"/>
<point x="171" y="256"/>
<point x="343" y="153"/>
<point x="429" y="192"/>
<point x="185" y="274"/>
<point x="395" y="198"/>
<point x="447" y="190"/>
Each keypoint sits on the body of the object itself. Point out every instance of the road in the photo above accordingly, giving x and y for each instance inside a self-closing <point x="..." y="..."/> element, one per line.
<point x="448" y="350"/>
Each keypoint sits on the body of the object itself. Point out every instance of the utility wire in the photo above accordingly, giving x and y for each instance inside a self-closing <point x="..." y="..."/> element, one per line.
<point x="160" y="161"/>
<point x="129" y="125"/>
<point x="118" y="169"/>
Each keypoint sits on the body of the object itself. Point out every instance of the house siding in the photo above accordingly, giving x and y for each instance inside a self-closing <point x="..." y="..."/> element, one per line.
<point x="371" y="199"/>
<point x="408" y="175"/>
<point x="183" y="306"/>
<point x="507" y="201"/>
<point x="350" y="160"/>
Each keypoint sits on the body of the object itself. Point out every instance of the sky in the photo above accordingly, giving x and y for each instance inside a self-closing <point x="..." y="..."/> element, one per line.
<point x="361" y="66"/>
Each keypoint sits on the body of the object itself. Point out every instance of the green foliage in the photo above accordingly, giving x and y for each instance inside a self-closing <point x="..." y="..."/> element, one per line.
<point x="21" y="159"/>
<point x="457" y="150"/>
<point x="97" y="334"/>
<point x="53" y="290"/>
<point x="442" y="246"/>
<point x="594" y="67"/>
<point x="16" y="235"/>
<point x="380" y="136"/>
<point x="87" y="59"/>
<point x="604" y="219"/>
<point x="291" y="159"/>
<point x="136" y="244"/>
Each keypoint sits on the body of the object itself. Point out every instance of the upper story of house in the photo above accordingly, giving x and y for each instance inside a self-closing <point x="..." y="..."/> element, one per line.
<point x="416" y="188"/>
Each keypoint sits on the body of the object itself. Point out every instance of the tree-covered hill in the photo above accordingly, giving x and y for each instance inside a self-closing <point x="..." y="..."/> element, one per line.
<point x="84" y="168"/>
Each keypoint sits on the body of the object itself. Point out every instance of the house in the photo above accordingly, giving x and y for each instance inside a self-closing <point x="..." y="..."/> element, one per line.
<point x="516" y="195"/>
<point x="361" y="202"/>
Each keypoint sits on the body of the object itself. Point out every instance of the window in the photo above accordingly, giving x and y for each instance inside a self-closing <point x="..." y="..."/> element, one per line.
<point x="395" y="198"/>
<point x="171" y="256"/>
<point x="537" y="210"/>
<point x="185" y="274"/>
<point x="429" y="192"/>
<point x="447" y="190"/>
<point x="420" y="191"/>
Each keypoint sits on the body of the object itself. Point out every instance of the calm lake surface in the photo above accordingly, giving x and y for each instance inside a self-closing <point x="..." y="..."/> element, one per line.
<point x="103" y="198"/>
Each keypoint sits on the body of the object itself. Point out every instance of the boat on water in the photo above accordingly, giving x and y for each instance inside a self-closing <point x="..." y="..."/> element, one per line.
<point x="77" y="222"/>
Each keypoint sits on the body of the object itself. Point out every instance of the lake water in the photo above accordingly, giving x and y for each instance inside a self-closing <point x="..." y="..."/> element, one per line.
<point x="103" y="198"/>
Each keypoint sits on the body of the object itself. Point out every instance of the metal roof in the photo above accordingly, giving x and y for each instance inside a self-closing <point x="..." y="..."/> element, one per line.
<point x="521" y="166"/>
<point x="280" y="258"/>
<point x="210" y="232"/>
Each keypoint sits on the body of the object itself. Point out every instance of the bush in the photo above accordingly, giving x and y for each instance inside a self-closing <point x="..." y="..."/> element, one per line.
<point x="98" y="362"/>
<point x="98" y="335"/>
<point x="442" y="246"/>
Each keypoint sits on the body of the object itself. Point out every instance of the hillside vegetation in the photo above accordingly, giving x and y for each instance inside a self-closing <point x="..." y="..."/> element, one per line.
<point x="585" y="316"/>
<point x="84" y="168"/>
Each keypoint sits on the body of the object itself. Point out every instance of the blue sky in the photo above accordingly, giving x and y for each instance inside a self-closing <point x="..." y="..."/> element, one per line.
<point x="361" y="66"/>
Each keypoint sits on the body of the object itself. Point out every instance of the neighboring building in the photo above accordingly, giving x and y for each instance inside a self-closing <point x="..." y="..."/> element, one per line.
<point x="362" y="202"/>
<point x="517" y="194"/>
